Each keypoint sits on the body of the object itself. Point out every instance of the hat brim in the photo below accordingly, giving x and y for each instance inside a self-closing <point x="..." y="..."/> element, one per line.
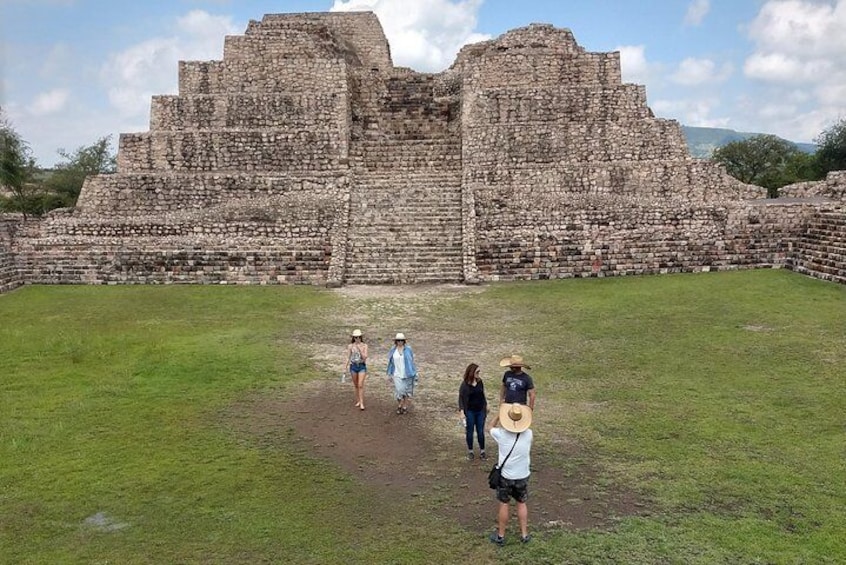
<point x="521" y="425"/>
<point x="507" y="363"/>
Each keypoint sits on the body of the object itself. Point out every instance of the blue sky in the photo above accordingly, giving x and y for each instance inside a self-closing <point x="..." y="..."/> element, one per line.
<point x="72" y="71"/>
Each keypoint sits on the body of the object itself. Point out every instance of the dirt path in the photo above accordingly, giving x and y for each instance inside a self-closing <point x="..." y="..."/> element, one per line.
<point x="423" y="451"/>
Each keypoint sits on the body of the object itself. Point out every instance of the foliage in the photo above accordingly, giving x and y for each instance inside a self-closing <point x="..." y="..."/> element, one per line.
<point x="831" y="154"/>
<point x="763" y="160"/>
<point x="16" y="171"/>
<point x="68" y="176"/>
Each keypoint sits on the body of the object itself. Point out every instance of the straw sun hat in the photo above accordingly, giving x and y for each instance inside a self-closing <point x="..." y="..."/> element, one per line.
<point x="400" y="337"/>
<point x="356" y="333"/>
<point x="513" y="361"/>
<point x="515" y="417"/>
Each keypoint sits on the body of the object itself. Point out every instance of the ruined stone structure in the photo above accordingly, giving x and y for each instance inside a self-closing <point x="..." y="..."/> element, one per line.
<point x="305" y="156"/>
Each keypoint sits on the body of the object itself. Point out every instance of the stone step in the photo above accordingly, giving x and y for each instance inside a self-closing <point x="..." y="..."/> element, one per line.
<point x="448" y="179"/>
<point x="830" y="259"/>
<point x="823" y="245"/>
<point x="401" y="278"/>
<point x="397" y="249"/>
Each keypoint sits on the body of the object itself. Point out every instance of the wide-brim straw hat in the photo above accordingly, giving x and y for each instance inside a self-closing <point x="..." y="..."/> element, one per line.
<point x="400" y="337"/>
<point x="515" y="417"/>
<point x="356" y="333"/>
<point x="513" y="361"/>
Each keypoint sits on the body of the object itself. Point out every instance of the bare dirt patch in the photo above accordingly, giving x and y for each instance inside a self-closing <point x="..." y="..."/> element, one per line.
<point x="421" y="454"/>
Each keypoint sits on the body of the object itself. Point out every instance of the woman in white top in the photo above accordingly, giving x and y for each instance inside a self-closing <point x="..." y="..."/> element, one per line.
<point x="403" y="372"/>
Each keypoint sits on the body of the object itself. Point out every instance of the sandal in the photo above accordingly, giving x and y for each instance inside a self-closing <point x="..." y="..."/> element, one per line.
<point x="399" y="410"/>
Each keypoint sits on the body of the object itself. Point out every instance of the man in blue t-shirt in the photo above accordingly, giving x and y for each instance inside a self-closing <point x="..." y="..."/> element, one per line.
<point x="517" y="386"/>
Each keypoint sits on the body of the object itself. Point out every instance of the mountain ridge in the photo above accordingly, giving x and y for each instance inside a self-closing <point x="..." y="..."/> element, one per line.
<point x="702" y="141"/>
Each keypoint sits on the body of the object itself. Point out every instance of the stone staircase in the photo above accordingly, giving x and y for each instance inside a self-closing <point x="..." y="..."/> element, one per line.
<point x="822" y="248"/>
<point x="405" y="213"/>
<point x="405" y="222"/>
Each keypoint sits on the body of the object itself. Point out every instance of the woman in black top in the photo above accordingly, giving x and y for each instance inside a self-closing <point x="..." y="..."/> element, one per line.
<point x="473" y="405"/>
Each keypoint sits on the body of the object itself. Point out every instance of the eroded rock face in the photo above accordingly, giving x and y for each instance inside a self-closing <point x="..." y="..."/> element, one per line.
<point x="305" y="156"/>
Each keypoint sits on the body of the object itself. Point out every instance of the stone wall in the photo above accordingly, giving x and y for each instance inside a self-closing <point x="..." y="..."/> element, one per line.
<point x="833" y="186"/>
<point x="610" y="237"/>
<point x="821" y="249"/>
<point x="9" y="277"/>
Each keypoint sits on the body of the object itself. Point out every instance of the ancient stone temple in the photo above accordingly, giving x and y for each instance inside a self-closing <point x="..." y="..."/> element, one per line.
<point x="306" y="156"/>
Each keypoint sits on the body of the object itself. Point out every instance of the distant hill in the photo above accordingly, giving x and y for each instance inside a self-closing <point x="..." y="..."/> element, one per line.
<point x="703" y="141"/>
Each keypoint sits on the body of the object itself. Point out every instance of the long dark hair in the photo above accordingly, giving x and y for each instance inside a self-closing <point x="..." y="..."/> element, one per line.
<point x="361" y="337"/>
<point x="470" y="373"/>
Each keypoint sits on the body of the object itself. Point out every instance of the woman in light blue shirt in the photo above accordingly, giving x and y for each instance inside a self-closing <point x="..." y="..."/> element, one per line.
<point x="402" y="372"/>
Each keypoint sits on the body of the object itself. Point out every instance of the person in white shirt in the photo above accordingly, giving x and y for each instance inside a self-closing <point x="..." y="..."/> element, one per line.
<point x="402" y="371"/>
<point x="511" y="432"/>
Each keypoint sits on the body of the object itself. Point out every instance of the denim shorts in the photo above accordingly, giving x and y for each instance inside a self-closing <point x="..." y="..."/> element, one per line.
<point x="516" y="489"/>
<point x="358" y="368"/>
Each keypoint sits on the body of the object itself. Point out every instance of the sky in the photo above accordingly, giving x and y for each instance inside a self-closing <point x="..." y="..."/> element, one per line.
<point x="74" y="71"/>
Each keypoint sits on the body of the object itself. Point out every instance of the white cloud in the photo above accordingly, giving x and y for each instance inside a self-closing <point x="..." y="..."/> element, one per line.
<point x="798" y="57"/>
<point x="49" y="102"/>
<point x="696" y="12"/>
<point x="786" y="68"/>
<point x="694" y="72"/>
<point x="135" y="74"/>
<point x="633" y="64"/>
<point x="807" y="28"/>
<point x="425" y="35"/>
<point x="692" y="111"/>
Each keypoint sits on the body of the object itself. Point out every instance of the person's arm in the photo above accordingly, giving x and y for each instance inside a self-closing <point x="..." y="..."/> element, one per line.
<point x="532" y="398"/>
<point x="390" y="370"/>
<point x="493" y="424"/>
<point x="462" y="391"/>
<point x="413" y="373"/>
<point x="364" y="353"/>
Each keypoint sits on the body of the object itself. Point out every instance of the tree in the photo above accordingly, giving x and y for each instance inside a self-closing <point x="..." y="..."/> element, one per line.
<point x="831" y="148"/>
<point x="764" y="160"/>
<point x="16" y="168"/>
<point x="69" y="175"/>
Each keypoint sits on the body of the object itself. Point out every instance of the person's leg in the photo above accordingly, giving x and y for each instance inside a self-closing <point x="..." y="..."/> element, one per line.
<point x="354" y="378"/>
<point x="398" y="394"/>
<point x="480" y="432"/>
<point x="360" y="389"/>
<point x="502" y="519"/>
<point x="469" y="424"/>
<point x="523" y="519"/>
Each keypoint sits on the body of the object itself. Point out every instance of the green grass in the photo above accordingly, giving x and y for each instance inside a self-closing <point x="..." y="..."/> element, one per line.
<point x="718" y="397"/>
<point x="111" y="403"/>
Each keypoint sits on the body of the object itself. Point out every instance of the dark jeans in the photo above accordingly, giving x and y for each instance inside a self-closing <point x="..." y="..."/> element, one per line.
<point x="475" y="420"/>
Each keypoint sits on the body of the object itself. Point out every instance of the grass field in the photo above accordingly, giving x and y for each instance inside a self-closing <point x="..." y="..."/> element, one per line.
<point x="719" y="397"/>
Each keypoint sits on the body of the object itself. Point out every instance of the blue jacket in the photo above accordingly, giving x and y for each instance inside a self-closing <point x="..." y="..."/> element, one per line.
<point x="408" y="357"/>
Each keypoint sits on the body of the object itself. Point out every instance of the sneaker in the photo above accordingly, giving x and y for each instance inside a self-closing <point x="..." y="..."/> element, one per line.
<point x="470" y="456"/>
<point x="483" y="456"/>
<point x="497" y="539"/>
<point x="526" y="539"/>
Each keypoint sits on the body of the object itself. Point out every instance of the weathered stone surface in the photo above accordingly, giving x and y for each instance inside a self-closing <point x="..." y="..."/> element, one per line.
<point x="305" y="156"/>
